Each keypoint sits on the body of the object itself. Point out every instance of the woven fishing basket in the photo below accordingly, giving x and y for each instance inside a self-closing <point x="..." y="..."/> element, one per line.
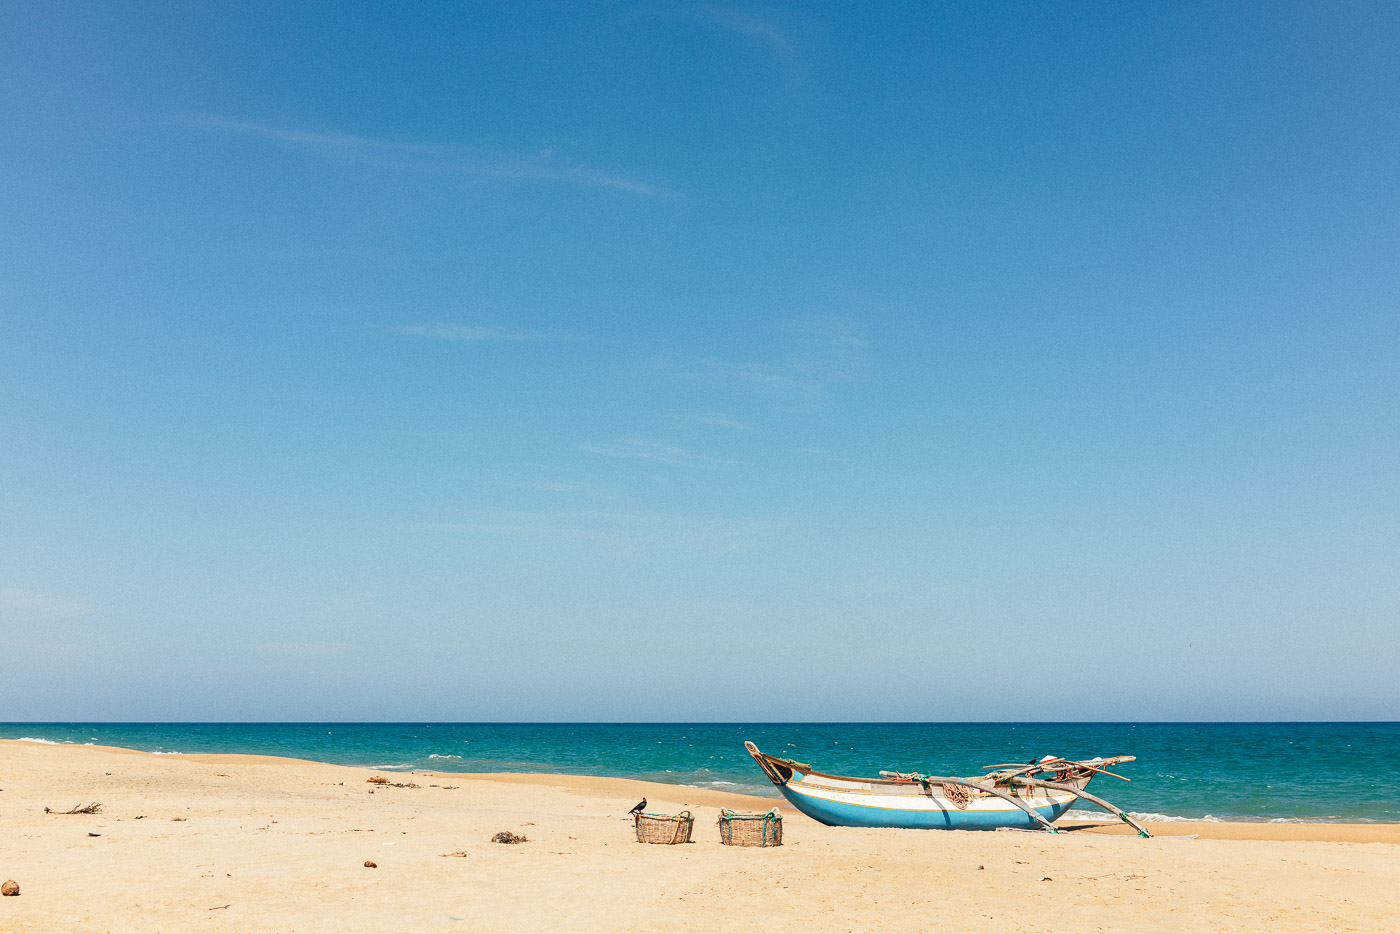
<point x="664" y="828"/>
<point x="738" y="828"/>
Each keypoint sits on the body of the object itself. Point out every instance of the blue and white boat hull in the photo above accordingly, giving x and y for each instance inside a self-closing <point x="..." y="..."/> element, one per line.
<point x="839" y="808"/>
<point x="853" y="802"/>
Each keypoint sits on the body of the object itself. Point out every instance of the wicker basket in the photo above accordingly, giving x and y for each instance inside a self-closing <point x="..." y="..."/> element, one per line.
<point x="664" y="828"/>
<point x="737" y="828"/>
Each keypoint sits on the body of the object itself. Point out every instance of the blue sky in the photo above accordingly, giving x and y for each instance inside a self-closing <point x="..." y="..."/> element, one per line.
<point x="647" y="361"/>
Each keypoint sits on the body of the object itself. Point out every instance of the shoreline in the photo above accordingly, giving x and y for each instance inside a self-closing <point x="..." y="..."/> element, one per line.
<point x="1274" y="830"/>
<point x="1180" y="777"/>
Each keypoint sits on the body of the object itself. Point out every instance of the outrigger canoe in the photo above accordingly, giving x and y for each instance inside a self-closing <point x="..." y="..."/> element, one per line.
<point x="1017" y="797"/>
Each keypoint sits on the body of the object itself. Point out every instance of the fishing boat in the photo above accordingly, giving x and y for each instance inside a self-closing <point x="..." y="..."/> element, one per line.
<point x="1011" y="796"/>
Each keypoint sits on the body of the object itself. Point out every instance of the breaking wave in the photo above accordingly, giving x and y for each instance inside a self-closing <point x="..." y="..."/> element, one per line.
<point x="1155" y="817"/>
<point x="1174" y="818"/>
<point x="1074" y="814"/>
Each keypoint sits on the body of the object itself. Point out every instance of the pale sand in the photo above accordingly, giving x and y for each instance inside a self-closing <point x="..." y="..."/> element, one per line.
<point x="282" y="844"/>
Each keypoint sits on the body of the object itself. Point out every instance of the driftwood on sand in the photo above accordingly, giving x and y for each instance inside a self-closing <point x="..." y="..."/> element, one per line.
<point x="78" y="809"/>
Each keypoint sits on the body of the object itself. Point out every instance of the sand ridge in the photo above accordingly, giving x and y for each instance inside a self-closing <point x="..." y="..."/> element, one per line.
<point x="282" y="843"/>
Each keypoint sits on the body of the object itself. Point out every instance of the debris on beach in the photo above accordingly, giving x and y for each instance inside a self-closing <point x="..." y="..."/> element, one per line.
<point x="505" y="836"/>
<point x="458" y="853"/>
<point x="9" y="887"/>
<point x="371" y="864"/>
<point x="78" y="809"/>
<point x="381" y="780"/>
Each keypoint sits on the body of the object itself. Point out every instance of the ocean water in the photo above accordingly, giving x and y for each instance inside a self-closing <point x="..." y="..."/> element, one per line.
<point x="1226" y="771"/>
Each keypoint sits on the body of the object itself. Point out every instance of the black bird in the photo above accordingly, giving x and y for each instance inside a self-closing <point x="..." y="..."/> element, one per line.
<point x="641" y="806"/>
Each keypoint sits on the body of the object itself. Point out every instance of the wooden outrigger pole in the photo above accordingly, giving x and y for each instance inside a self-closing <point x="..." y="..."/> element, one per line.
<point x="927" y="780"/>
<point x="1057" y="786"/>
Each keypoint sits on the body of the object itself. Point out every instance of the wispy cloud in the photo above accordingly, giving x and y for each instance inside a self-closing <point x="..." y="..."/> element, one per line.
<point x="545" y="168"/>
<point x="633" y="533"/>
<point x="823" y="453"/>
<point x="546" y="165"/>
<point x="644" y="450"/>
<point x="31" y="603"/>
<point x="720" y="420"/>
<point x="467" y="332"/>
<point x="812" y="355"/>
<point x="827" y="349"/>
<point x="307" y="649"/>
<point x="745" y="23"/>
<point x="328" y="139"/>
<point x="789" y="38"/>
<point x="784" y="375"/>
<point x="351" y="600"/>
<point x="566" y="487"/>
<point x="829" y="331"/>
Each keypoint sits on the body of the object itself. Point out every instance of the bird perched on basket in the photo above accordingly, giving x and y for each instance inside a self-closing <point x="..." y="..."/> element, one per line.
<point x="641" y="806"/>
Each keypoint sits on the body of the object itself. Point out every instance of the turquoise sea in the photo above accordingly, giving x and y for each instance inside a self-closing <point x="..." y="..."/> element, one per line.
<point x="1228" y="771"/>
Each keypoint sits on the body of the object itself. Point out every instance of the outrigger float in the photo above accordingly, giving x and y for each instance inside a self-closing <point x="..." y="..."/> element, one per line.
<point x="1011" y="796"/>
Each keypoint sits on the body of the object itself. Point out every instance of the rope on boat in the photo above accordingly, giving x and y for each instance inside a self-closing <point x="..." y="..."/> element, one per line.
<point x="927" y="780"/>
<point x="957" y="794"/>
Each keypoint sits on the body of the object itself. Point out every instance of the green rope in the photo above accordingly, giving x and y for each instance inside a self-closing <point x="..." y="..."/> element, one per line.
<point x="1140" y="832"/>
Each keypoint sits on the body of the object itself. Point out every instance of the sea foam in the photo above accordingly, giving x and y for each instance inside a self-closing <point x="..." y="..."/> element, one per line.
<point x="1173" y="818"/>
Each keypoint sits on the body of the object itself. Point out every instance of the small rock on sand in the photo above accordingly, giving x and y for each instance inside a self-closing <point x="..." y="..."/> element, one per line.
<point x="10" y="887"/>
<point x="371" y="864"/>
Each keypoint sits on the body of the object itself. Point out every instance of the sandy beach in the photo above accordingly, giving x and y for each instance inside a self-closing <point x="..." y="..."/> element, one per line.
<point x="257" y="844"/>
